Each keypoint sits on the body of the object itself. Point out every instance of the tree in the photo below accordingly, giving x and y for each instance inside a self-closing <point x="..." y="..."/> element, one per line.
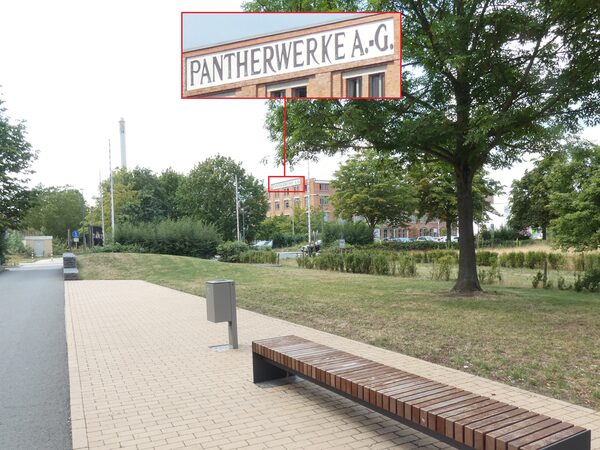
<point x="208" y="194"/>
<point x="575" y="198"/>
<point x="169" y="181"/>
<point x="56" y="210"/>
<point x="483" y="83"/>
<point x="530" y="196"/>
<point x="436" y="191"/>
<point x="16" y="156"/>
<point x="372" y="185"/>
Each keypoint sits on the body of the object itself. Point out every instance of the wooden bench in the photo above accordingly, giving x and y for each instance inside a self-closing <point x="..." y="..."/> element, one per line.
<point x="457" y="417"/>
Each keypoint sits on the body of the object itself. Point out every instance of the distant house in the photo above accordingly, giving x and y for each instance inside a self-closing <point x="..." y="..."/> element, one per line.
<point x="39" y="245"/>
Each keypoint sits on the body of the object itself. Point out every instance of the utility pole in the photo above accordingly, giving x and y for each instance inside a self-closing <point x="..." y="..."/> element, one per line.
<point x="112" y="197"/>
<point x="102" y="206"/>
<point x="237" y="208"/>
<point x="308" y="197"/>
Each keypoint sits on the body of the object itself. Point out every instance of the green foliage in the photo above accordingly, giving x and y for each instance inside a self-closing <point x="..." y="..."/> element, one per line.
<point x="590" y="281"/>
<point x="577" y="204"/>
<point x="14" y="243"/>
<point x="436" y="190"/>
<point x="16" y="156"/>
<point x="230" y="251"/>
<point x="485" y="258"/>
<point x="185" y="237"/>
<point x="514" y="260"/>
<point x="586" y="261"/>
<point x="412" y="245"/>
<point x="442" y="268"/>
<point x="433" y="256"/>
<point x="258" y="257"/>
<point x="373" y="186"/>
<point x="472" y="98"/>
<point x="56" y="210"/>
<point x="535" y="260"/>
<point x="287" y="240"/>
<point x="362" y="261"/>
<point x="491" y="275"/>
<point x="208" y="194"/>
<point x="537" y="278"/>
<point x="357" y="233"/>
<point x="503" y="234"/>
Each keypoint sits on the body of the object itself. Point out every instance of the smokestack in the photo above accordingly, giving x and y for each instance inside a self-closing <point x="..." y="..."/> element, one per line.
<point x="123" y="149"/>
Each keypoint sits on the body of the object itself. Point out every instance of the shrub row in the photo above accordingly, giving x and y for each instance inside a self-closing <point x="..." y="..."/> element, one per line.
<point x="258" y="257"/>
<point x="287" y="240"/>
<point x="184" y="237"/>
<point x="532" y="260"/>
<point x="240" y="252"/>
<point x="434" y="255"/>
<point x="408" y="246"/>
<point x="368" y="262"/>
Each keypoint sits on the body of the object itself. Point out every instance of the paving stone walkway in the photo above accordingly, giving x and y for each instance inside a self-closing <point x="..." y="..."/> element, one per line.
<point x="143" y="376"/>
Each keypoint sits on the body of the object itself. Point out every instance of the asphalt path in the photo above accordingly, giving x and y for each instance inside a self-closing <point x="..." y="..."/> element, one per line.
<point x="34" y="376"/>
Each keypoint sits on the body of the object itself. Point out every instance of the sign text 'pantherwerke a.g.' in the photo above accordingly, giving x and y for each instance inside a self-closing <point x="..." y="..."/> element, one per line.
<point x="327" y="48"/>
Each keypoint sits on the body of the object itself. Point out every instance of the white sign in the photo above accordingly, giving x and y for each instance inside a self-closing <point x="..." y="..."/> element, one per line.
<point x="327" y="48"/>
<point x="342" y="243"/>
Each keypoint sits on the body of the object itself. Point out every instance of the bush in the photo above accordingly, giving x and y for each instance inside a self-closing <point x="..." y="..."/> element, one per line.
<point x="357" y="233"/>
<point x="287" y="240"/>
<point x="535" y="282"/>
<point x="258" y="257"/>
<point x="491" y="275"/>
<point x="230" y="251"/>
<point x="590" y="281"/>
<point x="535" y="260"/>
<point x="486" y="258"/>
<point x="412" y="245"/>
<point x="586" y="261"/>
<point x="361" y="261"/>
<point x="184" y="237"/>
<point x="442" y="268"/>
<point x="557" y="261"/>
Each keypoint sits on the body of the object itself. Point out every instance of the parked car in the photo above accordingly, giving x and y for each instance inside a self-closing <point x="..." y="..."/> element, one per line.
<point x="262" y="244"/>
<point x="427" y="238"/>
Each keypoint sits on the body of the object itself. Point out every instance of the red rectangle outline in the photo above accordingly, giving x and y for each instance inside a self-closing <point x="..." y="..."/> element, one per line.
<point x="286" y="190"/>
<point x="182" y="62"/>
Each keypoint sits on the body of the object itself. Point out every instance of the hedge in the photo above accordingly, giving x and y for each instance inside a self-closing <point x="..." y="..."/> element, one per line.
<point x="185" y="237"/>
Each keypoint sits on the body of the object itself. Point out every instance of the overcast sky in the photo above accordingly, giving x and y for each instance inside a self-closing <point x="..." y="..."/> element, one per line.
<point x="72" y="69"/>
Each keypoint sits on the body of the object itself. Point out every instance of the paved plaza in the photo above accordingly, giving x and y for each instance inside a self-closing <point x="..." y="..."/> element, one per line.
<point x="142" y="376"/>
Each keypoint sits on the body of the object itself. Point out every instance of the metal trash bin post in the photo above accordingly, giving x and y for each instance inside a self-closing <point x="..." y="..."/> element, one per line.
<point x="221" y="306"/>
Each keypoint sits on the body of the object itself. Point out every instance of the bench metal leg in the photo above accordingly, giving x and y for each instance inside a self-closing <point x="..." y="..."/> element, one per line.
<point x="264" y="371"/>
<point x="581" y="441"/>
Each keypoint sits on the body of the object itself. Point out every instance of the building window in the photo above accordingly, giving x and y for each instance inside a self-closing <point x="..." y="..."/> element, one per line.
<point x="376" y="85"/>
<point x="323" y="200"/>
<point x="296" y="202"/>
<point x="323" y="187"/>
<point x="276" y="205"/>
<point x="299" y="91"/>
<point x="286" y="204"/>
<point x="385" y="233"/>
<point x="354" y="87"/>
<point x="423" y="232"/>
<point x="277" y="94"/>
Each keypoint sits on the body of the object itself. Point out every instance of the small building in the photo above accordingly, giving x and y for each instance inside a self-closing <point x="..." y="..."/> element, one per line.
<point x="286" y="195"/>
<point x="39" y="245"/>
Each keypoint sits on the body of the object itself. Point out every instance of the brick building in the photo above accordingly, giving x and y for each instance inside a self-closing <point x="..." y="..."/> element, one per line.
<point x="354" y="57"/>
<point x="317" y="192"/>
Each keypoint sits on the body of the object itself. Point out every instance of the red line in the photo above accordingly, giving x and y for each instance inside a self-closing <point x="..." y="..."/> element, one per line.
<point x="284" y="133"/>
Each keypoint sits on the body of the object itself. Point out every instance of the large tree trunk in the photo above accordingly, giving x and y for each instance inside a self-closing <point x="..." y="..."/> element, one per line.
<point x="467" y="281"/>
<point x="543" y="233"/>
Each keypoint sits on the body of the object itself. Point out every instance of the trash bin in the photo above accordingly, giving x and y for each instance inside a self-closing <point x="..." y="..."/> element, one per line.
<point x="221" y="306"/>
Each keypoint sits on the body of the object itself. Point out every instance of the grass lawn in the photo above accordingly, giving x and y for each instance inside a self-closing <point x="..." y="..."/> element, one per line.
<point x="546" y="341"/>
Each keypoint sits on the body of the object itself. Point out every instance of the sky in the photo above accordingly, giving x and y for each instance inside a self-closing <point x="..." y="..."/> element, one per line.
<point x="72" y="69"/>
<point x="203" y="30"/>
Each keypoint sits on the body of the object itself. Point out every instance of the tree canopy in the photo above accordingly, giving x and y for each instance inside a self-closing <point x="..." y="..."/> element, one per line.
<point x="56" y="210"/>
<point x="16" y="156"/>
<point x="484" y="82"/>
<point x="208" y="194"/>
<point x="373" y="186"/>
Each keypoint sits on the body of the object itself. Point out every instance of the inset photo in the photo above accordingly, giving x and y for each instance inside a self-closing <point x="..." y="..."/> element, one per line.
<point x="291" y="55"/>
